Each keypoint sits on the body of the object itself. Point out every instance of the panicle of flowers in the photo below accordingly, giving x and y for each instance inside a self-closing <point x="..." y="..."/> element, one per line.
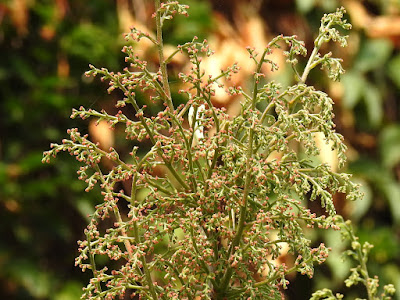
<point x="328" y="31"/>
<point x="211" y="206"/>
<point x="360" y="274"/>
<point x="359" y="252"/>
<point x="168" y="9"/>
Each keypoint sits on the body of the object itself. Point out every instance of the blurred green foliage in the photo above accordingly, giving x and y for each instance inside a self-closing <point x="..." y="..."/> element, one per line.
<point x="43" y="208"/>
<point x="45" y="47"/>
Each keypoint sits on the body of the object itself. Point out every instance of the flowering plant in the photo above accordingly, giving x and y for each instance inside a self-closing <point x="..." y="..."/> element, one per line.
<point x="220" y="205"/>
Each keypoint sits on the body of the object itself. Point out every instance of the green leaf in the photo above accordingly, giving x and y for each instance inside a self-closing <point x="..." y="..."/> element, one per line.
<point x="392" y="273"/>
<point x="200" y="22"/>
<point x="389" y="145"/>
<point x="91" y="43"/>
<point x="361" y="206"/>
<point x="373" y="103"/>
<point x="3" y="173"/>
<point x="335" y="260"/>
<point x="373" y="54"/>
<point x="32" y="162"/>
<point x="304" y="6"/>
<point x="85" y="207"/>
<point x="392" y="193"/>
<point x="382" y="179"/>
<point x="385" y="246"/>
<point x="34" y="280"/>
<point x="354" y="84"/>
<point x="329" y="5"/>
<point x="71" y="290"/>
<point x="394" y="70"/>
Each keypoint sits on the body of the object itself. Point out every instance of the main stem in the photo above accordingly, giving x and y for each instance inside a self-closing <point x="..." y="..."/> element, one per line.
<point x="222" y="289"/>
<point x="163" y="64"/>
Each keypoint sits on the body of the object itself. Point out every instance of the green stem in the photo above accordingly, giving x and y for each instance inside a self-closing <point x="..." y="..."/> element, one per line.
<point x="158" y="186"/>
<point x="188" y="145"/>
<point x="147" y="274"/>
<point x="203" y="264"/>
<point x="163" y="63"/>
<point x="142" y="257"/>
<point x="243" y="205"/>
<point x="308" y="67"/>
<point x="317" y="45"/>
<point x="127" y="244"/>
<point x="133" y="102"/>
<point x="126" y="241"/>
<point x="92" y="260"/>
<point x="169" y="58"/>
<point x="362" y="258"/>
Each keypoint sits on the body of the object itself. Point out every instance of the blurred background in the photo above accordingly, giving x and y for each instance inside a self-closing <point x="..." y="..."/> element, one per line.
<point x="45" y="48"/>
